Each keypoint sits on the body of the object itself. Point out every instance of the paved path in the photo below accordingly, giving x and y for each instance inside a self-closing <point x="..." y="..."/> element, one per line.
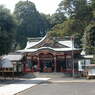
<point x="71" y="80"/>
<point x="61" y="89"/>
<point x="14" y="88"/>
<point x="61" y="78"/>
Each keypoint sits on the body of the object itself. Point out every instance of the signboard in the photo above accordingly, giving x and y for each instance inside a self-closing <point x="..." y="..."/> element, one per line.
<point x="80" y="65"/>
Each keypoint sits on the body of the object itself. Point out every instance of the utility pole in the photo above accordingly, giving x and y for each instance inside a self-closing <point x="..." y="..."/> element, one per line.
<point x="73" y="73"/>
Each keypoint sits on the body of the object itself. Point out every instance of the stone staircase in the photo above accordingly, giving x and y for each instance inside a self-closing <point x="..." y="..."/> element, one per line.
<point x="50" y="75"/>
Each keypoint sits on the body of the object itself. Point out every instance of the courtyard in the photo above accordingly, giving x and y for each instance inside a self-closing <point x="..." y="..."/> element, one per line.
<point x="68" y="88"/>
<point x="47" y="84"/>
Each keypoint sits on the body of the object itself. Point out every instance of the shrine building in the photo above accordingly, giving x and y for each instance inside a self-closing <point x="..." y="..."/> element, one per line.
<point x="50" y="54"/>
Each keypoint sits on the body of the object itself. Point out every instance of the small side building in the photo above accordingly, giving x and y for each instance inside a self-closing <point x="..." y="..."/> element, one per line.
<point x="12" y="62"/>
<point x="85" y="65"/>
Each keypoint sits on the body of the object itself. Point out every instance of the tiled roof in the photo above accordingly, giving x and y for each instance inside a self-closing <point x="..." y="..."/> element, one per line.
<point x="54" y="49"/>
<point x="13" y="57"/>
<point x="30" y="47"/>
<point x="31" y="44"/>
<point x="67" y="43"/>
<point x="6" y="63"/>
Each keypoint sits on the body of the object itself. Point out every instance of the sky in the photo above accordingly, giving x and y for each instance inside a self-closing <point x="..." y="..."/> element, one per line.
<point x="43" y="6"/>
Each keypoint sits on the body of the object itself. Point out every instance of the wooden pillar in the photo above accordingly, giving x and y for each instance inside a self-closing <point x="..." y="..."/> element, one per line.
<point x="66" y="62"/>
<point x="13" y="72"/>
<point x="54" y="63"/>
<point x="38" y="63"/>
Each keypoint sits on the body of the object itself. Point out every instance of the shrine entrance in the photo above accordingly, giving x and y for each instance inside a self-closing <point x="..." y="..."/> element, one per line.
<point x="60" y="63"/>
<point x="46" y="62"/>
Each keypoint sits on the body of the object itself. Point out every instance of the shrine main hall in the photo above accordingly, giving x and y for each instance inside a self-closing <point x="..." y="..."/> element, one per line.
<point x="50" y="54"/>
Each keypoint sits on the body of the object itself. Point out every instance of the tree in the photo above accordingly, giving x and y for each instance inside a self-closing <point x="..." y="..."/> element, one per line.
<point x="89" y="39"/>
<point x="76" y="9"/>
<point x="93" y="4"/>
<point x="93" y="8"/>
<point x="31" y="22"/>
<point x="71" y="27"/>
<point x="7" y="27"/>
<point x="44" y="24"/>
<point x="57" y="18"/>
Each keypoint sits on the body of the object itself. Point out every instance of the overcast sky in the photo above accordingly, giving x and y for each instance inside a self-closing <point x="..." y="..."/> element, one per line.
<point x="44" y="6"/>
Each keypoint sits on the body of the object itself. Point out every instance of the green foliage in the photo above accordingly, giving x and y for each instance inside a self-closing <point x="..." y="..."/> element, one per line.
<point x="72" y="18"/>
<point x="93" y="7"/>
<point x="93" y="4"/>
<point x="57" y="18"/>
<point x="68" y="28"/>
<point x="71" y="27"/>
<point x="79" y="14"/>
<point x="77" y="9"/>
<point x="57" y="30"/>
<point x="89" y="39"/>
<point x="31" y="22"/>
<point x="7" y="27"/>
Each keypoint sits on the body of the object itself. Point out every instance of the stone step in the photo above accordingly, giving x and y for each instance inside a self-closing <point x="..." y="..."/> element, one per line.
<point x="51" y="75"/>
